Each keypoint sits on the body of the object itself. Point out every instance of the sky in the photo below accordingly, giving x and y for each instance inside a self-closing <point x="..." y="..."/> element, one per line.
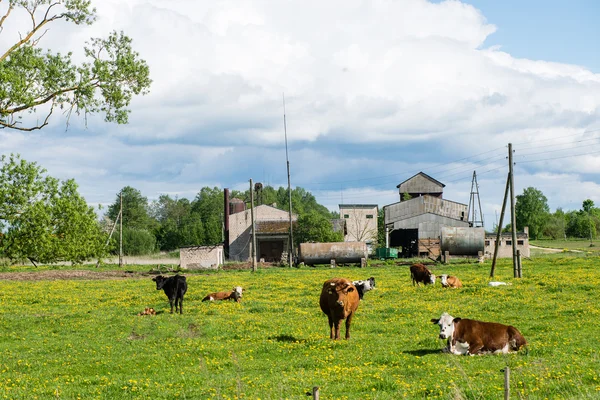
<point x="375" y="92"/>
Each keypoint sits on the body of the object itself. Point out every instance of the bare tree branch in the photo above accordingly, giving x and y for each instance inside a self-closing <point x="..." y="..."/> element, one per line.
<point x="5" y="16"/>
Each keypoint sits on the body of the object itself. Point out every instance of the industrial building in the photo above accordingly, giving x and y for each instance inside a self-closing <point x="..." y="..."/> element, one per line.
<point x="360" y="223"/>
<point x="424" y="224"/>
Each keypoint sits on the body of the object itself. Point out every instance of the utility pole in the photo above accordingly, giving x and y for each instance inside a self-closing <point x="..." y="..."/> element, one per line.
<point x="253" y="224"/>
<point x="291" y="245"/>
<point x="499" y="235"/>
<point x="513" y="222"/>
<point x="121" y="231"/>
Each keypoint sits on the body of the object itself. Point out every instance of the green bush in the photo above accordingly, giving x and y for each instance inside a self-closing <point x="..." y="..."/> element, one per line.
<point x="138" y="242"/>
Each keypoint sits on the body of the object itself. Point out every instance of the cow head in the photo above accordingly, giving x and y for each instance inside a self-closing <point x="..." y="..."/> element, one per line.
<point x="446" y="323"/>
<point x="237" y="292"/>
<point x="338" y="291"/>
<point x="160" y="281"/>
<point x="444" y="280"/>
<point x="432" y="279"/>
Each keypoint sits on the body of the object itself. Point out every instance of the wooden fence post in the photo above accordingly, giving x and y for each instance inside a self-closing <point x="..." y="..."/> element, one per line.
<point x="315" y="393"/>
<point x="506" y="383"/>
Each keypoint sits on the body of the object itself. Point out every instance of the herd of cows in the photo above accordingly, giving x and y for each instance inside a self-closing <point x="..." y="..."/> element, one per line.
<point x="340" y="298"/>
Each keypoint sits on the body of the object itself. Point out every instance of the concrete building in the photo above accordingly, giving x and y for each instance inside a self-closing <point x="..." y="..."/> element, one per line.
<point x="272" y="234"/>
<point x="201" y="257"/>
<point x="505" y="246"/>
<point x="360" y="223"/>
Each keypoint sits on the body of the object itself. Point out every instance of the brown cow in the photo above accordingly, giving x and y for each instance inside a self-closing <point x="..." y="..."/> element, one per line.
<point x="450" y="281"/>
<point x="339" y="300"/>
<point x="468" y="336"/>
<point x="420" y="273"/>
<point x="235" y="294"/>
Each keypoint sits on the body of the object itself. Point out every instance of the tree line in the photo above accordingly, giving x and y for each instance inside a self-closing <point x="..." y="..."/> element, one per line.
<point x="45" y="220"/>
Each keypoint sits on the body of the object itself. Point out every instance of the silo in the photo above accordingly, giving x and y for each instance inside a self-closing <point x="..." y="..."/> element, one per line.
<point x="462" y="241"/>
<point x="236" y="205"/>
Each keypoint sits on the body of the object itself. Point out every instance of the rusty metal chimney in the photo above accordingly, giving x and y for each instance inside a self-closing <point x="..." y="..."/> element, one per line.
<point x="226" y="222"/>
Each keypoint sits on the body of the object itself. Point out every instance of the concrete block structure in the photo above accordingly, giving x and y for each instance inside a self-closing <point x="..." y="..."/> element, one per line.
<point x="505" y="246"/>
<point x="360" y="223"/>
<point x="201" y="257"/>
<point x="272" y="234"/>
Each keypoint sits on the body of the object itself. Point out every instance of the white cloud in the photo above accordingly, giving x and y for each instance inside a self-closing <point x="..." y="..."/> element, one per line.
<point x="372" y="89"/>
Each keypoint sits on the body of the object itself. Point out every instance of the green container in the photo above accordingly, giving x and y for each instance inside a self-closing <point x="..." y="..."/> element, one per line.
<point x="384" y="253"/>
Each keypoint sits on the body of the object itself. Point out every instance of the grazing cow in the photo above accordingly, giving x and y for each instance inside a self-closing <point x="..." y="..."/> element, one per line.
<point x="174" y="287"/>
<point x="339" y="300"/>
<point x="235" y="294"/>
<point x="450" y="281"/>
<point x="467" y="336"/>
<point x="364" y="286"/>
<point x="420" y="273"/>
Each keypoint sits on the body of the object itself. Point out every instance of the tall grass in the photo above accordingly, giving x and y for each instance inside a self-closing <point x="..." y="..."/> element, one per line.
<point x="84" y="339"/>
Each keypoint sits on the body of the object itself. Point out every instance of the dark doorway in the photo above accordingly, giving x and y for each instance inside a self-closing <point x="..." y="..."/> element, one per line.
<point x="270" y="250"/>
<point x="408" y="239"/>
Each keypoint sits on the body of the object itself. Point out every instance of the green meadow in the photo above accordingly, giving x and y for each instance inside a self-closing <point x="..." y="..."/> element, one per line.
<point x="83" y="339"/>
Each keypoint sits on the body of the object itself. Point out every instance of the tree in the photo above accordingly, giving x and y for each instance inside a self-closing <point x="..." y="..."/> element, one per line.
<point x="314" y="227"/>
<point x="532" y="210"/>
<point x="135" y="209"/>
<point x="42" y="219"/>
<point x="31" y="78"/>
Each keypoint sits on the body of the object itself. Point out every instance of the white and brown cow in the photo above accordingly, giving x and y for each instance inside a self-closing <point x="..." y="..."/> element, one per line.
<point x="420" y="273"/>
<point x="339" y="300"/>
<point x="235" y="294"/>
<point x="470" y="337"/>
<point x="450" y="281"/>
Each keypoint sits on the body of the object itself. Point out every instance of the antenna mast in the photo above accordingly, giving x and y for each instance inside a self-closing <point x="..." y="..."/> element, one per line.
<point x="291" y="244"/>
<point x="471" y="211"/>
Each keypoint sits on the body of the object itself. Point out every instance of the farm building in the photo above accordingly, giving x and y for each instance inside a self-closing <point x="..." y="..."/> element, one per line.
<point x="425" y="224"/>
<point x="201" y="257"/>
<point x="416" y="221"/>
<point x="360" y="223"/>
<point x="272" y="232"/>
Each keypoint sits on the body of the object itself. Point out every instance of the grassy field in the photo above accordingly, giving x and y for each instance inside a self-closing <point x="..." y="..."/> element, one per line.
<point x="569" y="245"/>
<point x="70" y="339"/>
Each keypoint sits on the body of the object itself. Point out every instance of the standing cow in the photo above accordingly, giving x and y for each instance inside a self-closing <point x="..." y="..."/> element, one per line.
<point x="420" y="273"/>
<point x="364" y="286"/>
<point x="174" y="287"/>
<point x="339" y="300"/>
<point x="468" y="336"/>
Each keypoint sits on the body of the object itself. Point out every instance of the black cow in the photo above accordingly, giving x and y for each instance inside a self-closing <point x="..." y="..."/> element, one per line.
<point x="174" y="287"/>
<point x="364" y="286"/>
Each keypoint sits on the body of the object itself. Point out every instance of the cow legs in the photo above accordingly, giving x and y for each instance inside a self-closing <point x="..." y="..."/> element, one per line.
<point x="171" y="301"/>
<point x="331" y="332"/>
<point x="180" y="305"/>
<point x="348" y="320"/>
<point x="475" y="348"/>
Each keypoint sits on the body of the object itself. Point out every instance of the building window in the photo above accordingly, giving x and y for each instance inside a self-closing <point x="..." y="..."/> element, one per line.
<point x="487" y="242"/>
<point x="369" y="216"/>
<point x="346" y="216"/>
<point x="509" y="242"/>
<point x="519" y="243"/>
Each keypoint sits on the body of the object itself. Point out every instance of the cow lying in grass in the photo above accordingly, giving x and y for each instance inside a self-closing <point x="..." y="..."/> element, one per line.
<point x="450" y="281"/>
<point x="235" y="294"/>
<point x="470" y="337"/>
<point x="174" y="287"/>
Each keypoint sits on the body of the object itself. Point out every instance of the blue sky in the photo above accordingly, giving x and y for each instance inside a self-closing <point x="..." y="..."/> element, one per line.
<point x="375" y="92"/>
<point x="551" y="30"/>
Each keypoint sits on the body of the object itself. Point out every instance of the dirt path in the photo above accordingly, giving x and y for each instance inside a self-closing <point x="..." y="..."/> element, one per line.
<point x="53" y="275"/>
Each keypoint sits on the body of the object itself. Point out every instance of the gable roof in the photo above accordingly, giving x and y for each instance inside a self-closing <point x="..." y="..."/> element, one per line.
<point x="424" y="175"/>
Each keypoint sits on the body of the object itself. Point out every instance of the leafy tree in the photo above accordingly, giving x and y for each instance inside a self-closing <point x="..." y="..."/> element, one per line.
<point x="531" y="210"/>
<point x="135" y="209"/>
<point x="381" y="228"/>
<point x="314" y="227"/>
<point x="208" y="205"/>
<point x="42" y="219"/>
<point x="31" y="77"/>
<point x="555" y="226"/>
